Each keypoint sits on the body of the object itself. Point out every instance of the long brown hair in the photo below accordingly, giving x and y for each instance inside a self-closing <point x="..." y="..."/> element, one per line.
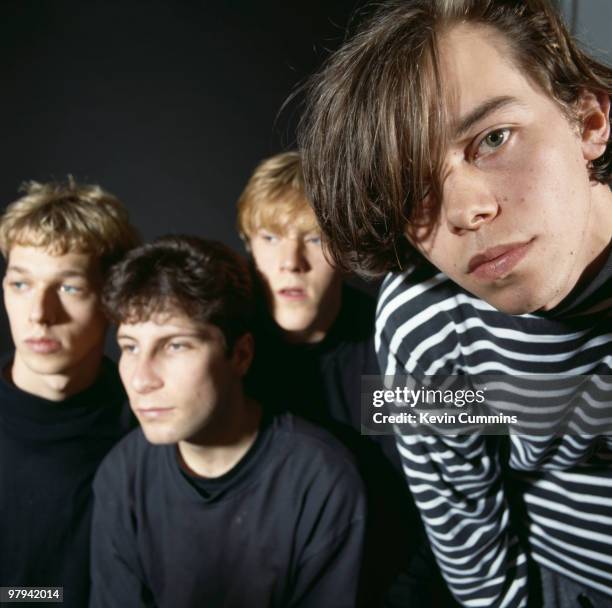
<point x="374" y="128"/>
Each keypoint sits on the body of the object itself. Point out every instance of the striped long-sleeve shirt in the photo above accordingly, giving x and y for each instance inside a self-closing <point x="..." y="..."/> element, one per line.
<point x="489" y="502"/>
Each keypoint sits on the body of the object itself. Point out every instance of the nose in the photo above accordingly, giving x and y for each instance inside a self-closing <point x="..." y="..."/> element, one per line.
<point x="469" y="202"/>
<point x="44" y="306"/>
<point x="292" y="257"/>
<point x="144" y="378"/>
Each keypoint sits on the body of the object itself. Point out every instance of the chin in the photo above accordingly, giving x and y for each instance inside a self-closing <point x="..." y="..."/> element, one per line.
<point x="45" y="364"/>
<point x="517" y="303"/>
<point x="159" y="436"/>
<point x="294" y="323"/>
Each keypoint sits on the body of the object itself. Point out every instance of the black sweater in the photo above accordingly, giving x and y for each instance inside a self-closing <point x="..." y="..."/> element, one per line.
<point x="284" y="528"/>
<point x="322" y="382"/>
<point x="49" y="452"/>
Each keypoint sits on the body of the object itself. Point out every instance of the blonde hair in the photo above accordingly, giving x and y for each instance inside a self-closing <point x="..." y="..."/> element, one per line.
<point x="68" y="217"/>
<point x="274" y="197"/>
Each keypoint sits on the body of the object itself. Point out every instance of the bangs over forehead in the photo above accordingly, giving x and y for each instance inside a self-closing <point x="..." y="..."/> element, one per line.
<point x="53" y="243"/>
<point x="289" y="211"/>
<point x="373" y="137"/>
<point x="142" y="308"/>
<point x="64" y="218"/>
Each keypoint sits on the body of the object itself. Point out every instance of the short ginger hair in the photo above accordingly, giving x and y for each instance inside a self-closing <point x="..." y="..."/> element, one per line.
<point x="274" y="197"/>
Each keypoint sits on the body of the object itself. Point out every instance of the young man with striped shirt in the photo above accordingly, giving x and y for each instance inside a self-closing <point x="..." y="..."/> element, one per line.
<point x="464" y="145"/>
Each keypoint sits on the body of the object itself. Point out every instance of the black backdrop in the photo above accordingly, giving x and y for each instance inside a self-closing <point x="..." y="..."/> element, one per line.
<point x="169" y="104"/>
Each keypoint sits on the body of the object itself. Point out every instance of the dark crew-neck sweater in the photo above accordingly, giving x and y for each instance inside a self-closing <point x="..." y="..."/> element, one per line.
<point x="284" y="528"/>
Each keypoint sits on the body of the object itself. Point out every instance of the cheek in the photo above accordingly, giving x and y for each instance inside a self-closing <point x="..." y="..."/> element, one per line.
<point x="13" y="312"/>
<point x="324" y="272"/>
<point x="125" y="371"/>
<point x="88" y="316"/>
<point x="263" y="257"/>
<point x="438" y="248"/>
<point x="546" y="165"/>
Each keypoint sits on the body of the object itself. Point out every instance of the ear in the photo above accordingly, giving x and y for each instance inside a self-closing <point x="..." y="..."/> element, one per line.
<point x="242" y="354"/>
<point x="594" y="115"/>
<point x="246" y="241"/>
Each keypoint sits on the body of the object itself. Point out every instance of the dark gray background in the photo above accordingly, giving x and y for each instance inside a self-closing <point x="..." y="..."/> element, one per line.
<point x="169" y="104"/>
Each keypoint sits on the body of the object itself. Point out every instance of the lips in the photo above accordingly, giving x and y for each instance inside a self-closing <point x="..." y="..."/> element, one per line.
<point x="292" y="293"/>
<point x="497" y="262"/>
<point x="43" y="346"/>
<point x="152" y="413"/>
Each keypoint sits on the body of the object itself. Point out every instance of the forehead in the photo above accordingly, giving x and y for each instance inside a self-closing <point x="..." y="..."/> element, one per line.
<point x="40" y="261"/>
<point x="285" y="217"/>
<point x="477" y="66"/>
<point x="163" y="325"/>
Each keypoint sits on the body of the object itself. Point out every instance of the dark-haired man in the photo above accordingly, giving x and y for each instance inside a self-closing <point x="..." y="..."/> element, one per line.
<point x="465" y="144"/>
<point x="212" y="503"/>
<point x="62" y="406"/>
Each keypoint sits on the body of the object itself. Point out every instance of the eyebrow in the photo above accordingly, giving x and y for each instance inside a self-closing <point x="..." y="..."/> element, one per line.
<point x="481" y="111"/>
<point x="64" y="274"/>
<point x="171" y="336"/>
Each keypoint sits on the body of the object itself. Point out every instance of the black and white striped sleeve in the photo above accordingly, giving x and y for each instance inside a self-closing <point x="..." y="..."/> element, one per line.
<point x="455" y="480"/>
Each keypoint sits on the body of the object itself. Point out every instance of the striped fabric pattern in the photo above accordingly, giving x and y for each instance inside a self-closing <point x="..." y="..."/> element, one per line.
<point x="489" y="501"/>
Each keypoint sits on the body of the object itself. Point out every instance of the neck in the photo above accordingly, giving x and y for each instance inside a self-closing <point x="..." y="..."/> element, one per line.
<point x="56" y="386"/>
<point x="224" y="443"/>
<point x="596" y="240"/>
<point x="599" y="234"/>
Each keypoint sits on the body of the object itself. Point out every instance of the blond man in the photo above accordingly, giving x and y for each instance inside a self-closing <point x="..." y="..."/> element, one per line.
<point x="61" y="402"/>
<point x="314" y="343"/>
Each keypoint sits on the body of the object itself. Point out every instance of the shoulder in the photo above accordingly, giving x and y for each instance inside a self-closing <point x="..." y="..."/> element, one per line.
<point x="313" y="451"/>
<point x="358" y="302"/>
<point x="357" y="313"/>
<point x="121" y="463"/>
<point x="423" y="291"/>
<point x="417" y="317"/>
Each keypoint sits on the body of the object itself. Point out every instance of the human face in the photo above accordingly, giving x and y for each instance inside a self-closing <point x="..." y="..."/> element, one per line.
<point x="53" y="307"/>
<point x="178" y="376"/>
<point x="519" y="220"/>
<point x="303" y="289"/>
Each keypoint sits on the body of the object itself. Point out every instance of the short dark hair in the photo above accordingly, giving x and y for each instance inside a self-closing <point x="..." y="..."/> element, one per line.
<point x="375" y="120"/>
<point x="203" y="279"/>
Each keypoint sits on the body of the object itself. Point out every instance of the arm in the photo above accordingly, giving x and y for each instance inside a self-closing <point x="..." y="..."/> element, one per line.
<point x="456" y="484"/>
<point x="456" y="480"/>
<point x="114" y="559"/>
<point x="331" y="535"/>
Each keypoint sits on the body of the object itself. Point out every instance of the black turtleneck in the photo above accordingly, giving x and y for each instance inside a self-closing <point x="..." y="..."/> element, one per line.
<point x="49" y="452"/>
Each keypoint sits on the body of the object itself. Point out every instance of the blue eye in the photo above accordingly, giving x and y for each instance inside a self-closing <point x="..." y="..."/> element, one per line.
<point x="177" y="346"/>
<point x="18" y="285"/>
<point x="71" y="289"/>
